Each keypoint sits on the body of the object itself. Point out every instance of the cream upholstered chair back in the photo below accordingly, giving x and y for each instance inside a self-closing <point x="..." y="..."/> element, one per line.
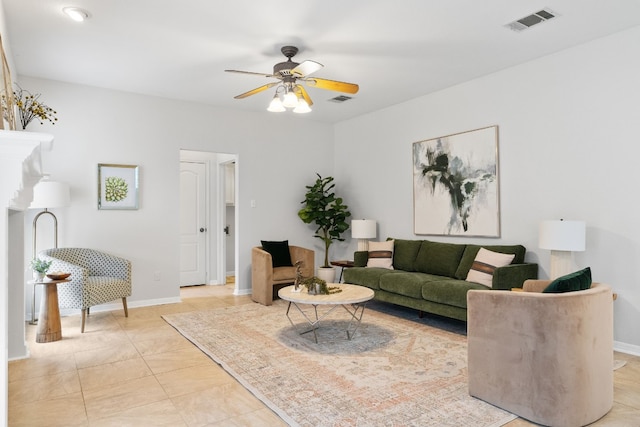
<point x="96" y="278"/>
<point x="264" y="276"/>
<point x="547" y="357"/>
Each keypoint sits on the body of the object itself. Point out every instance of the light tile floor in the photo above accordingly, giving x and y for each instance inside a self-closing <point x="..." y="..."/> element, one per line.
<point x="138" y="371"/>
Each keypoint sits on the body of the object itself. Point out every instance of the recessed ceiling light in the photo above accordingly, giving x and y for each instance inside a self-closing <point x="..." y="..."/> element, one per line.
<point x="76" y="13"/>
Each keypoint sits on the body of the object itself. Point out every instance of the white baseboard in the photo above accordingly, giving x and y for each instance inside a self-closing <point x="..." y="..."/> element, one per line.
<point x="116" y="306"/>
<point x="623" y="347"/>
<point x="237" y="291"/>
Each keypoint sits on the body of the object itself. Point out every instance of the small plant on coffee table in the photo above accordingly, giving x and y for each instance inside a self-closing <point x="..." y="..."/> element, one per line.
<point x="317" y="286"/>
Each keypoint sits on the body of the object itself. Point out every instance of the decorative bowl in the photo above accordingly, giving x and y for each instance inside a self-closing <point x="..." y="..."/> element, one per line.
<point x="58" y="275"/>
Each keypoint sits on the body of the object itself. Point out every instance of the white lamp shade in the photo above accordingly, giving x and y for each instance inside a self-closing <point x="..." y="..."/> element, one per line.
<point x="363" y="229"/>
<point x="50" y="194"/>
<point x="302" y="107"/>
<point x="560" y="235"/>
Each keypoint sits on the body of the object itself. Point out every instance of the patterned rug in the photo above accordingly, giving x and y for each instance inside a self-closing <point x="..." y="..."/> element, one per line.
<point x="394" y="372"/>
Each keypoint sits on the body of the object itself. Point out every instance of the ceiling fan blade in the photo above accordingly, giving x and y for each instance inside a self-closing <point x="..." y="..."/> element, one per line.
<point x="251" y="72"/>
<point x="305" y="95"/>
<point x="305" y="68"/>
<point x="256" y="90"/>
<point x="332" y="85"/>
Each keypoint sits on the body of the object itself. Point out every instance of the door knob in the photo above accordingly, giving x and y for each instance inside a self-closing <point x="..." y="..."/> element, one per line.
<point x="226" y="230"/>
<point x="202" y="230"/>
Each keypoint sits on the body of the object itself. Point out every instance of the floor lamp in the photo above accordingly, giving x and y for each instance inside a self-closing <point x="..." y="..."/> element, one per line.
<point x="562" y="238"/>
<point x="363" y="229"/>
<point x="46" y="194"/>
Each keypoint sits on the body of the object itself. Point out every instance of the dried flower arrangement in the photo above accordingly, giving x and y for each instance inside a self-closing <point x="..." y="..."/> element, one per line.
<point x="29" y="107"/>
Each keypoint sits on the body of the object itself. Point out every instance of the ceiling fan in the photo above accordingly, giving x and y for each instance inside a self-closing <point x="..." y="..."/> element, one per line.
<point x="290" y="74"/>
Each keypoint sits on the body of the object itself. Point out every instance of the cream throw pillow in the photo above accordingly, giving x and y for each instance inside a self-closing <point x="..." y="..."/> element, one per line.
<point x="484" y="265"/>
<point x="381" y="254"/>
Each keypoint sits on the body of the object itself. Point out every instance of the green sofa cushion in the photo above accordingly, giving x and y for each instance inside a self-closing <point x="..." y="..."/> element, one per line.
<point x="471" y="251"/>
<point x="407" y="284"/>
<point x="576" y="281"/>
<point x="441" y="259"/>
<point x="366" y="276"/>
<point x="450" y="291"/>
<point x="405" y="253"/>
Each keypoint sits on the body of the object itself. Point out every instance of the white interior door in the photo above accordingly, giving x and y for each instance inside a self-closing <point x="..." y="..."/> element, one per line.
<point x="193" y="224"/>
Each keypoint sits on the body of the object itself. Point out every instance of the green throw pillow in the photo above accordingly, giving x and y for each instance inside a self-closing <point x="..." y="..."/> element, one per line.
<point x="280" y="255"/>
<point x="577" y="281"/>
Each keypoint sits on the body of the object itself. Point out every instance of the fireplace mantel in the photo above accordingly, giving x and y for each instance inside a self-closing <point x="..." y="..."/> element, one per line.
<point x="20" y="170"/>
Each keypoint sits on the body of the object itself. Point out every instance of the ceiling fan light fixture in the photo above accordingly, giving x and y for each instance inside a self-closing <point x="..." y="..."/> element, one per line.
<point x="290" y="99"/>
<point x="76" y="13"/>
<point x="275" y="106"/>
<point x="302" y="107"/>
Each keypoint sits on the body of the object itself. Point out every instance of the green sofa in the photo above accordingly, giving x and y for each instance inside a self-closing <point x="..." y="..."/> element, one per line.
<point x="430" y="276"/>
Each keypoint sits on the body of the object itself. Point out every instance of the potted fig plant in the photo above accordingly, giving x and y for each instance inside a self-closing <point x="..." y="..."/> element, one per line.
<point x="329" y="215"/>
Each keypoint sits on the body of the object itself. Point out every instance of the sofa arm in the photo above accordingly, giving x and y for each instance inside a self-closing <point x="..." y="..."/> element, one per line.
<point x="79" y="276"/>
<point x="360" y="258"/>
<point x="513" y="275"/>
<point x="261" y="276"/>
<point x="103" y="264"/>
<point x="535" y="285"/>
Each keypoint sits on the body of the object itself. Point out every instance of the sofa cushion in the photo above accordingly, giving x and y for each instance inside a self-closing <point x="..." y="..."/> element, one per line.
<point x="280" y="255"/>
<point x="437" y="258"/>
<point x="450" y="291"/>
<point x="381" y="254"/>
<point x="484" y="265"/>
<point x="405" y="253"/>
<point x="366" y="276"/>
<point x="407" y="284"/>
<point x="471" y="251"/>
<point x="576" y="281"/>
<point x="284" y="273"/>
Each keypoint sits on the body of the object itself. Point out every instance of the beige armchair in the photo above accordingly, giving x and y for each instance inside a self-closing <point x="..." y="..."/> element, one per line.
<point x="264" y="276"/>
<point x="545" y="357"/>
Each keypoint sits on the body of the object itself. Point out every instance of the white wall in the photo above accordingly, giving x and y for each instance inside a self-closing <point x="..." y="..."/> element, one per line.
<point x="569" y="148"/>
<point x="277" y="155"/>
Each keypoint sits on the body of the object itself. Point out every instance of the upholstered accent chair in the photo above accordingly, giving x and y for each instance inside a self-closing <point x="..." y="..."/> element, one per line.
<point x="264" y="276"/>
<point x="547" y="357"/>
<point x="96" y="278"/>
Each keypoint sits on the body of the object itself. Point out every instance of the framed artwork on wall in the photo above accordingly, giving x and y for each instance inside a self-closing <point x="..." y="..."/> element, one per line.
<point x="456" y="184"/>
<point x="117" y="186"/>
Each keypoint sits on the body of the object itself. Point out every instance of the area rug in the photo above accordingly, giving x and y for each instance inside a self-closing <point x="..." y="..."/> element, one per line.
<point x="394" y="372"/>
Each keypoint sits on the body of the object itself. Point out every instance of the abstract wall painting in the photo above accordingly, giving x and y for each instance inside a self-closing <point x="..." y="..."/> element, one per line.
<point x="456" y="186"/>
<point x="117" y="186"/>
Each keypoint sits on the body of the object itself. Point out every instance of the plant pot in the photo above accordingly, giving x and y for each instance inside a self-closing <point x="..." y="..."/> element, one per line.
<point x="37" y="276"/>
<point x="314" y="289"/>
<point x="328" y="274"/>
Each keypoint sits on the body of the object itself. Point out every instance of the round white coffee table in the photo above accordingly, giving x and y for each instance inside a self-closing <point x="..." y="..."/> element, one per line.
<point x="353" y="299"/>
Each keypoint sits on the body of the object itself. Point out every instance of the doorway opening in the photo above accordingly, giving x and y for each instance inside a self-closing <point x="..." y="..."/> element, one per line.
<point x="208" y="218"/>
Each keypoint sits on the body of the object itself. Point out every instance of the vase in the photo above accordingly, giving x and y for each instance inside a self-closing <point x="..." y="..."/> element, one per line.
<point x="38" y="276"/>
<point x="328" y="274"/>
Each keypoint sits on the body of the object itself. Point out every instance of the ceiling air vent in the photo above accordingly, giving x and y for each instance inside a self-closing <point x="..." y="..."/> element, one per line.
<point x="341" y="98"/>
<point x="531" y="20"/>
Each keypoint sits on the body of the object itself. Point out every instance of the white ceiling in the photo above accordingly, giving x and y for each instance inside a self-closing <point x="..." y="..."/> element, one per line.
<point x="395" y="50"/>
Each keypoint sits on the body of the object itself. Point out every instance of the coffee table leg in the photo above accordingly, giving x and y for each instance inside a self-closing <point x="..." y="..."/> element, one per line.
<point x="356" y="314"/>
<point x="312" y="322"/>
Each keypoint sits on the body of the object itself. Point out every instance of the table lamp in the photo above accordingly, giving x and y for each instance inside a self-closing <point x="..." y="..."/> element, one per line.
<point x="363" y="229"/>
<point x="562" y="237"/>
